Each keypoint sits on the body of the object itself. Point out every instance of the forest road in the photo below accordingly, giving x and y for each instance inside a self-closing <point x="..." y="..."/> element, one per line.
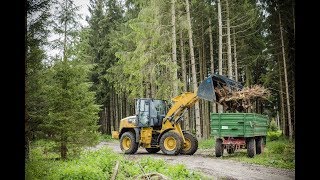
<point x="204" y="161"/>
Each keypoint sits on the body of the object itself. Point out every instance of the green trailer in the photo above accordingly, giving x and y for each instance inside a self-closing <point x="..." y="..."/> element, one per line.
<point x="239" y="131"/>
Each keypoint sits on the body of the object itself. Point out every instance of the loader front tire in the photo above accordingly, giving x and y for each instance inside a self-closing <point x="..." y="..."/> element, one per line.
<point x="191" y="145"/>
<point x="171" y="143"/>
<point x="128" y="143"/>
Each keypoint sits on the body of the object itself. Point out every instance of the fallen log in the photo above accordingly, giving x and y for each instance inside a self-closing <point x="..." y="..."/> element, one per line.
<point x="115" y="171"/>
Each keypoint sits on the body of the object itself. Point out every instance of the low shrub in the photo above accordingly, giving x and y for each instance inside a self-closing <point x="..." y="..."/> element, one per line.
<point x="99" y="164"/>
<point x="273" y="135"/>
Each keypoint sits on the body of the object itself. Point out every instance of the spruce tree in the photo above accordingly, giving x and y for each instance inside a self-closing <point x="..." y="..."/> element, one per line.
<point x="72" y="118"/>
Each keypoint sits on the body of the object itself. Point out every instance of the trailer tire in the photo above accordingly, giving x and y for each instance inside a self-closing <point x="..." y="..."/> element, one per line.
<point x="128" y="143"/>
<point x="231" y="149"/>
<point x="192" y="144"/>
<point x="152" y="150"/>
<point x="259" y="145"/>
<point x="251" y="147"/>
<point x="219" y="148"/>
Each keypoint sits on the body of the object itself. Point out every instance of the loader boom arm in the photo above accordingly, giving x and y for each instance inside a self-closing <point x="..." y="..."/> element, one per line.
<point x="205" y="91"/>
<point x="181" y="103"/>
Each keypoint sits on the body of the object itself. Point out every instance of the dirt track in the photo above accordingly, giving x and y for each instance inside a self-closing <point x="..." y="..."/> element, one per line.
<point x="217" y="168"/>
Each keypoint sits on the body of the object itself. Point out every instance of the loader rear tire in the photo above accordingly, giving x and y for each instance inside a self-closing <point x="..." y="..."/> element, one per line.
<point x="191" y="144"/>
<point x="171" y="143"/>
<point x="219" y="148"/>
<point x="152" y="150"/>
<point x="128" y="143"/>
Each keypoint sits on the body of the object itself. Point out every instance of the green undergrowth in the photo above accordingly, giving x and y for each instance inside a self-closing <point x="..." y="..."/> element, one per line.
<point x="98" y="164"/>
<point x="106" y="137"/>
<point x="207" y="143"/>
<point x="278" y="154"/>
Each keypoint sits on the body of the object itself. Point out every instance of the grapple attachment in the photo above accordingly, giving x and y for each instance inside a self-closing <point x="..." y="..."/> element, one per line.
<point x="206" y="89"/>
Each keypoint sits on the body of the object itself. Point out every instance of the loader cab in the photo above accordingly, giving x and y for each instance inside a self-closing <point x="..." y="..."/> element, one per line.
<point x="150" y="112"/>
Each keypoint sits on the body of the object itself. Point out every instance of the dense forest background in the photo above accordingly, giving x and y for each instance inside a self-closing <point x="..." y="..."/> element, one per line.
<point x="154" y="49"/>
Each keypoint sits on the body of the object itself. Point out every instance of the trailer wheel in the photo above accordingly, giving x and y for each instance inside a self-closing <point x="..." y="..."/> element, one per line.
<point x="128" y="143"/>
<point x="259" y="145"/>
<point x="191" y="144"/>
<point x="251" y="147"/>
<point x="152" y="150"/>
<point x="171" y="143"/>
<point x="231" y="149"/>
<point x="219" y="148"/>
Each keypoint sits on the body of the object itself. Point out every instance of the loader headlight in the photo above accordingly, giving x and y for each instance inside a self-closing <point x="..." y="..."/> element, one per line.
<point x="132" y="121"/>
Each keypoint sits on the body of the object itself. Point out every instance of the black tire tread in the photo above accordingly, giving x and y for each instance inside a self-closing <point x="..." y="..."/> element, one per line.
<point x="134" y="145"/>
<point x="194" y="144"/>
<point x="259" y="145"/>
<point x="251" y="147"/>
<point x="219" y="148"/>
<point x="179" y="140"/>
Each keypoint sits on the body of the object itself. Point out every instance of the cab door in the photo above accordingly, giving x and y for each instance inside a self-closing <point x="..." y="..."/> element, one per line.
<point x="143" y="112"/>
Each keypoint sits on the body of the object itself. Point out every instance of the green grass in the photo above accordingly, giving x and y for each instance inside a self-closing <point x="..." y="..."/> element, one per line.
<point x="97" y="165"/>
<point x="106" y="137"/>
<point x="207" y="143"/>
<point x="279" y="153"/>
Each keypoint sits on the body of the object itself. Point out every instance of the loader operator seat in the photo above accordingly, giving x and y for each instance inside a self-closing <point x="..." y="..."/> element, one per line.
<point x="150" y="112"/>
<point x="157" y="112"/>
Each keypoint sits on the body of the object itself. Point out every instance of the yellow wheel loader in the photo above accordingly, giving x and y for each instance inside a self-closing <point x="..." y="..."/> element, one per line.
<point x="156" y="127"/>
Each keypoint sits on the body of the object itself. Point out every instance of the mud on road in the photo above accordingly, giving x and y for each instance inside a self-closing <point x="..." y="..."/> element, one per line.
<point x="205" y="162"/>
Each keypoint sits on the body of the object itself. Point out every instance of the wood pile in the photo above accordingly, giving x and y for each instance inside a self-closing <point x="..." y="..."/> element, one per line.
<point x="240" y="100"/>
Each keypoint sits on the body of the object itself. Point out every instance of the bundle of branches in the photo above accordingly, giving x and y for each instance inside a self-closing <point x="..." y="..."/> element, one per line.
<point x="241" y="100"/>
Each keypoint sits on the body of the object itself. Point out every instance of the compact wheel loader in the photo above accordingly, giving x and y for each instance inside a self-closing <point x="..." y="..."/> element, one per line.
<point x="156" y="127"/>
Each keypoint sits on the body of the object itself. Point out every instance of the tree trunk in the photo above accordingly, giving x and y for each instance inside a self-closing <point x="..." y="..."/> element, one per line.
<point x="184" y="78"/>
<point x="128" y="102"/>
<point x="116" y="111"/>
<point x="283" y="119"/>
<point x="220" y="107"/>
<point x="201" y="102"/>
<point x="235" y="56"/>
<point x="26" y="135"/>
<point x="106" y="119"/>
<point x="194" y="75"/>
<point x="214" y="108"/>
<point x="220" y="36"/>
<point x="26" y="117"/>
<point x="294" y="20"/>
<point x="285" y="79"/>
<point x="293" y="103"/>
<point x="293" y="77"/>
<point x="65" y="34"/>
<point x="124" y="105"/>
<point x="111" y="105"/>
<point x="248" y="82"/>
<point x="120" y="107"/>
<point x="205" y="103"/>
<point x="174" y="47"/>
<point x="229" y="43"/>
<point x="278" y="121"/>
<point x="63" y="147"/>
